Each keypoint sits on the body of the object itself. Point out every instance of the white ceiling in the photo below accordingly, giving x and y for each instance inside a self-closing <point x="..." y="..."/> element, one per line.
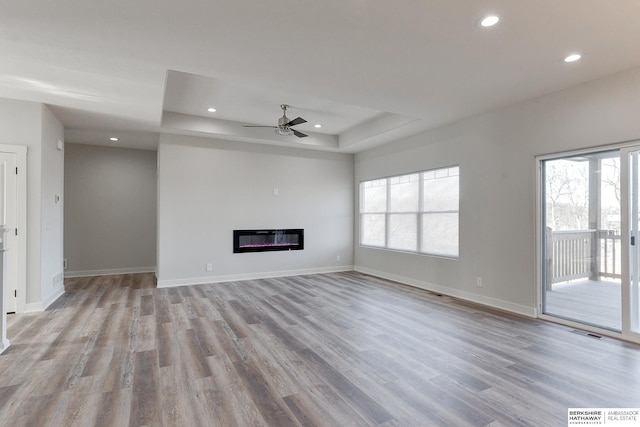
<point x="369" y="71"/>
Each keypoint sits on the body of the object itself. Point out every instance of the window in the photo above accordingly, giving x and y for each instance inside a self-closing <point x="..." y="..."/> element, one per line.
<point x="416" y="212"/>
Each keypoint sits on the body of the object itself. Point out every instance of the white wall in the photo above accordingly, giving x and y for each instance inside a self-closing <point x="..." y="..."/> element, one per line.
<point x="20" y="124"/>
<point x="34" y="126"/>
<point x="110" y="210"/>
<point x="51" y="220"/>
<point x="207" y="188"/>
<point x="496" y="153"/>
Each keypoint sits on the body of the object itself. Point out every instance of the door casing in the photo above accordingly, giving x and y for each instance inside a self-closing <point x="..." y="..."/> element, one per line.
<point x="625" y="148"/>
<point x="20" y="242"/>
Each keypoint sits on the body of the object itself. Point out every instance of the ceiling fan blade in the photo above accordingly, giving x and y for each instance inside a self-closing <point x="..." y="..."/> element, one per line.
<point x="299" y="134"/>
<point x="258" y="126"/>
<point x="296" y="121"/>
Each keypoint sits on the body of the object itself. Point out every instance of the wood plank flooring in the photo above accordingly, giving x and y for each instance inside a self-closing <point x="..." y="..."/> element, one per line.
<point x="341" y="349"/>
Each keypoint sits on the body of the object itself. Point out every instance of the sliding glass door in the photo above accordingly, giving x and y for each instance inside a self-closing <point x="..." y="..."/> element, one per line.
<point x="582" y="239"/>
<point x="590" y="234"/>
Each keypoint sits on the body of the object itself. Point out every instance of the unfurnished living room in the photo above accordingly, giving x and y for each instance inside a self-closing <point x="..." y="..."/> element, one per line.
<point x="293" y="213"/>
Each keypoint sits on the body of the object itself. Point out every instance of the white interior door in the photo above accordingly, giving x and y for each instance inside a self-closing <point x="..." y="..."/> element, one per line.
<point x="8" y="218"/>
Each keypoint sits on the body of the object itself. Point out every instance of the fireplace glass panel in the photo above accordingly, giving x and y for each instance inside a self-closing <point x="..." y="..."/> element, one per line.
<point x="268" y="240"/>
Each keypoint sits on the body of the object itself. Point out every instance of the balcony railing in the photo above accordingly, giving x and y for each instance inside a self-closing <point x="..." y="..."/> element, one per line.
<point x="583" y="254"/>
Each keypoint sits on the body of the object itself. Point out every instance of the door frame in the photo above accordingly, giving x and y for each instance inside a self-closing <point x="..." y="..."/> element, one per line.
<point x="625" y="334"/>
<point x="625" y="207"/>
<point x="21" y="222"/>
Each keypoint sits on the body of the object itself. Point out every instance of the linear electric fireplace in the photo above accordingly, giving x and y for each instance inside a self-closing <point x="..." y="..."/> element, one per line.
<point x="291" y="239"/>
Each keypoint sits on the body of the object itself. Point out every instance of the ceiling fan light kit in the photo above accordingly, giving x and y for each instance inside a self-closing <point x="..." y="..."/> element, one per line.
<point x="284" y="124"/>
<point x="282" y="131"/>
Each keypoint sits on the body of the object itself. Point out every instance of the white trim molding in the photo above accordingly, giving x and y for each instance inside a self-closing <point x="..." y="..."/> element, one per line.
<point x="499" y="304"/>
<point x="33" y="307"/>
<point x="109" y="272"/>
<point x="52" y="298"/>
<point x="5" y="345"/>
<point x="21" y="222"/>
<point x="251" y="276"/>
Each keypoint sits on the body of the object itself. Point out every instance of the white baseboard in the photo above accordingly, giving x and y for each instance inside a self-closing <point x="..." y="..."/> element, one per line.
<point x="33" y="307"/>
<point x="4" y="346"/>
<point x="109" y="272"/>
<point x="444" y="290"/>
<point x="252" y="276"/>
<point x="53" y="297"/>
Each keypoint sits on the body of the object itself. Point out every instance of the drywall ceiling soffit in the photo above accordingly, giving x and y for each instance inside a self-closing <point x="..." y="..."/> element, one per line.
<point x="86" y="127"/>
<point x="343" y="127"/>
<point x="105" y="67"/>
<point x="126" y="139"/>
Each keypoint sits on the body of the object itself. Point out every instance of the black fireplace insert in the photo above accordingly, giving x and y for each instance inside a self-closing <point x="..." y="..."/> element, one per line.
<point x="290" y="239"/>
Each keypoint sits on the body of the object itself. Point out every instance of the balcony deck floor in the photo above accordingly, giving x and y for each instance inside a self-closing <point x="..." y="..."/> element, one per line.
<point x="596" y="303"/>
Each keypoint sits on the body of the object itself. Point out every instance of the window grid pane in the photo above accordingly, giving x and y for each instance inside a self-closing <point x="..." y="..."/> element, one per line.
<point x="375" y="197"/>
<point x="403" y="232"/>
<point x="440" y="194"/>
<point x="440" y="234"/>
<point x="403" y="194"/>
<point x="373" y="229"/>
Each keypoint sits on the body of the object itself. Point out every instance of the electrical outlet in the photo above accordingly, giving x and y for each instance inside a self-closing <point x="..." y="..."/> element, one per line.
<point x="479" y="281"/>
<point x="209" y="267"/>
<point x="338" y="258"/>
<point x="64" y="264"/>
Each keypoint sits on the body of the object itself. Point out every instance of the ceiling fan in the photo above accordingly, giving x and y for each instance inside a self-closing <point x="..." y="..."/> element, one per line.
<point x="284" y="124"/>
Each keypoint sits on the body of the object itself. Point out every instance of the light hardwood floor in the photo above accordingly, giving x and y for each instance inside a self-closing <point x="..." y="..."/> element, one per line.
<point x="340" y="349"/>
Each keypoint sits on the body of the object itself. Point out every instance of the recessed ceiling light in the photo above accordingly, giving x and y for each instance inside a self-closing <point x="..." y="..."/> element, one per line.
<point x="489" y="21"/>
<point x="113" y="138"/>
<point x="573" y="57"/>
<point x="317" y="125"/>
<point x="211" y="110"/>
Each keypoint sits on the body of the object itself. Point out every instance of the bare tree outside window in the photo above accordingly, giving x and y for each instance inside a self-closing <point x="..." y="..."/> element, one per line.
<point x="567" y="194"/>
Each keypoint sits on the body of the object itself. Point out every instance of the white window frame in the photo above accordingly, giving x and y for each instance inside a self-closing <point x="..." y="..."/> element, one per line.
<point x="419" y="213"/>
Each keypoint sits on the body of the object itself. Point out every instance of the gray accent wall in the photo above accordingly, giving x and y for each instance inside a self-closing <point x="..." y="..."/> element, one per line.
<point x="497" y="157"/>
<point x="207" y="188"/>
<point x="110" y="210"/>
